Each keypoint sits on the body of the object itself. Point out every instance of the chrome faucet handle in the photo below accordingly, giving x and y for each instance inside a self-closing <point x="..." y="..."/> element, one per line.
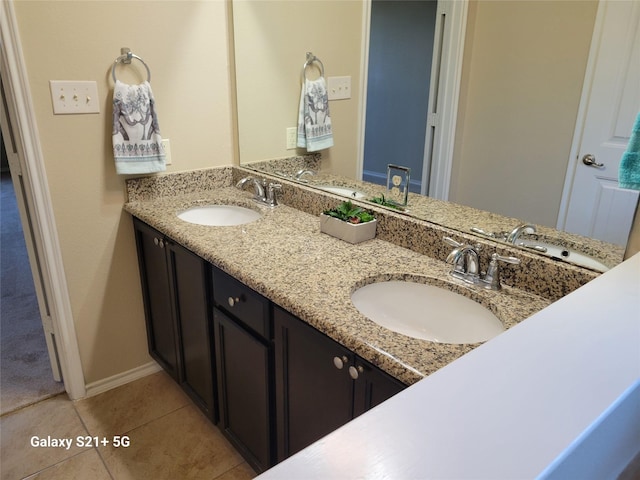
<point x="456" y="244"/>
<point x="452" y="242"/>
<point x="479" y="231"/>
<point x="272" y="197"/>
<point x="491" y="279"/>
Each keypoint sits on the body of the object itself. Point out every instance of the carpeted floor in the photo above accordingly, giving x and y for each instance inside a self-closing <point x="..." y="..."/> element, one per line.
<point x="25" y="372"/>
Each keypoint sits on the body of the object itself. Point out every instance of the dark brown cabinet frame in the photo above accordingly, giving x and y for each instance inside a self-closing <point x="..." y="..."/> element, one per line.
<point x="270" y="381"/>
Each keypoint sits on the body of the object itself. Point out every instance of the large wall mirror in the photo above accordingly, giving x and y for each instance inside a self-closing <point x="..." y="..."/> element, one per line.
<point x="522" y="74"/>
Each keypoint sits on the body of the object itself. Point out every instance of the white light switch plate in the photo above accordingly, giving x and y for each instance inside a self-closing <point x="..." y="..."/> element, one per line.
<point x="74" y="97"/>
<point x="339" y="88"/>
<point x="166" y="144"/>
<point x="292" y="138"/>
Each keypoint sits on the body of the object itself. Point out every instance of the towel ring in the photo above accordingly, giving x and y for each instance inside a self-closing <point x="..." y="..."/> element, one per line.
<point x="125" y="58"/>
<point x="311" y="58"/>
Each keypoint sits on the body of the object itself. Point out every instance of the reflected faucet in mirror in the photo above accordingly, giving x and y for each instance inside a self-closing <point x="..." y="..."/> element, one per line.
<point x="519" y="230"/>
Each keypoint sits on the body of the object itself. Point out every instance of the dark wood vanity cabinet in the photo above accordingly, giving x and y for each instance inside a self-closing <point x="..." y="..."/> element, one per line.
<point x="320" y="385"/>
<point x="176" y="286"/>
<point x="244" y="361"/>
<point x="272" y="383"/>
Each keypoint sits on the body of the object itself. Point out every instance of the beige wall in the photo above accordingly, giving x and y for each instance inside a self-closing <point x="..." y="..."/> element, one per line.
<point x="521" y="88"/>
<point x="271" y="39"/>
<point x="522" y="80"/>
<point x="185" y="45"/>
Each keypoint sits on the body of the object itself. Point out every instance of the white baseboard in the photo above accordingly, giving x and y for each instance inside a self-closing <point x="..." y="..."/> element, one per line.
<point x="120" y="379"/>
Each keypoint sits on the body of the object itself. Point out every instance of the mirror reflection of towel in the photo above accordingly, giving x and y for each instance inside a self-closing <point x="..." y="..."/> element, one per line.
<point x="629" y="170"/>
<point x="314" y="121"/>
<point x="137" y="144"/>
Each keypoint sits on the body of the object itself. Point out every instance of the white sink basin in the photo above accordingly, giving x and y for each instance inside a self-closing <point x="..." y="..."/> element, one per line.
<point x="344" y="191"/>
<point x="219" y="215"/>
<point x="568" y="254"/>
<point x="426" y="312"/>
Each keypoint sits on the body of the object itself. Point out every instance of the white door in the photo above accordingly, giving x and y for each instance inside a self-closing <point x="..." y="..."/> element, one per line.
<point x="593" y="205"/>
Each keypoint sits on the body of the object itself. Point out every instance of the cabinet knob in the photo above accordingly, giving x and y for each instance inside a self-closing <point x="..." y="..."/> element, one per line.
<point x="233" y="301"/>
<point x="354" y="372"/>
<point x="158" y="242"/>
<point x="339" y="362"/>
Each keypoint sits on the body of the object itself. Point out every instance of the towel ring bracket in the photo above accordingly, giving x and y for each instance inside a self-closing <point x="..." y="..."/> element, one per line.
<point x="125" y="59"/>
<point x="311" y="58"/>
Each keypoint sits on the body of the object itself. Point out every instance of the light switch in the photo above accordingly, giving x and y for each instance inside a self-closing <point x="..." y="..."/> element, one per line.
<point x="339" y="88"/>
<point x="74" y="97"/>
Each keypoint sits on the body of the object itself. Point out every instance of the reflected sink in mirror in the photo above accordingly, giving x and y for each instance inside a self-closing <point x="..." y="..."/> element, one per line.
<point x="426" y="312"/>
<point x="344" y="191"/>
<point x="563" y="253"/>
<point x="219" y="215"/>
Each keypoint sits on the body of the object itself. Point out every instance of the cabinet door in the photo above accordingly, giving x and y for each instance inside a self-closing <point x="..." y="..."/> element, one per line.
<point x="372" y="386"/>
<point x="313" y="395"/>
<point x="191" y="284"/>
<point x="242" y="361"/>
<point x="156" y="291"/>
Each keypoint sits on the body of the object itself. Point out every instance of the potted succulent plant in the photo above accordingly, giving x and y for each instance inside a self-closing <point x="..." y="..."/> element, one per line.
<point x="386" y="203"/>
<point x="348" y="222"/>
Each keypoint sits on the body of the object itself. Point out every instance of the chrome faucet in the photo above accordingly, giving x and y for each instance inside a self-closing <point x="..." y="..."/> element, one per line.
<point x="464" y="258"/>
<point x="466" y="266"/>
<point x="519" y="230"/>
<point x="259" y="189"/>
<point x="268" y="197"/>
<point x="303" y="172"/>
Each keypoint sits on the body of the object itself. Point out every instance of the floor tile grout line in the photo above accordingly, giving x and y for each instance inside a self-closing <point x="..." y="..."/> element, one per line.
<point x="53" y="465"/>
<point x="33" y="404"/>
<point x="86" y="428"/>
<point x="229" y="469"/>
<point x="127" y="432"/>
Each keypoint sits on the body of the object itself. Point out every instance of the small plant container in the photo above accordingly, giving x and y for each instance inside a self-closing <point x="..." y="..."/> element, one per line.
<point x="349" y="232"/>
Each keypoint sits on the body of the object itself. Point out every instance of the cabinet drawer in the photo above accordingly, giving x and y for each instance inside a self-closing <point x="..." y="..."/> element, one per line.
<point x="244" y="304"/>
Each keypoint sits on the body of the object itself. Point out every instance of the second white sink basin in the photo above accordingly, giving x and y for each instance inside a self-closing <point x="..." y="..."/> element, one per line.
<point x="427" y="312"/>
<point x="555" y="251"/>
<point x="219" y="215"/>
<point x="344" y="191"/>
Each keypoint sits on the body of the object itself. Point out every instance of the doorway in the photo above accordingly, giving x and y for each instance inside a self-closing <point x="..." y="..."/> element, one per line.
<point x="17" y="119"/>
<point x="443" y="89"/>
<point x="26" y="376"/>
<point x="401" y="47"/>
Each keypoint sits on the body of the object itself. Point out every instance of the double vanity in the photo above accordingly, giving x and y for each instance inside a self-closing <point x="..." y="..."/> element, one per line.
<point x="281" y="334"/>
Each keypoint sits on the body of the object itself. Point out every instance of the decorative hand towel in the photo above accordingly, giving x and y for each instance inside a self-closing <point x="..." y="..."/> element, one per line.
<point x="314" y="122"/>
<point x="137" y="144"/>
<point x="629" y="171"/>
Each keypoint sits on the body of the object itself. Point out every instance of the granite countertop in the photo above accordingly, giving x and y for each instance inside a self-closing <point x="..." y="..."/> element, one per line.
<point x="448" y="214"/>
<point x="286" y="258"/>
<point x="556" y="397"/>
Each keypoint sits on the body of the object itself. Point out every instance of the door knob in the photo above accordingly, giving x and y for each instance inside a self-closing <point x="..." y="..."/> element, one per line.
<point x="590" y="161"/>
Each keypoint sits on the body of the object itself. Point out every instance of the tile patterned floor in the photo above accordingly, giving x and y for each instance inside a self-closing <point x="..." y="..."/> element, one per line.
<point x="169" y="438"/>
